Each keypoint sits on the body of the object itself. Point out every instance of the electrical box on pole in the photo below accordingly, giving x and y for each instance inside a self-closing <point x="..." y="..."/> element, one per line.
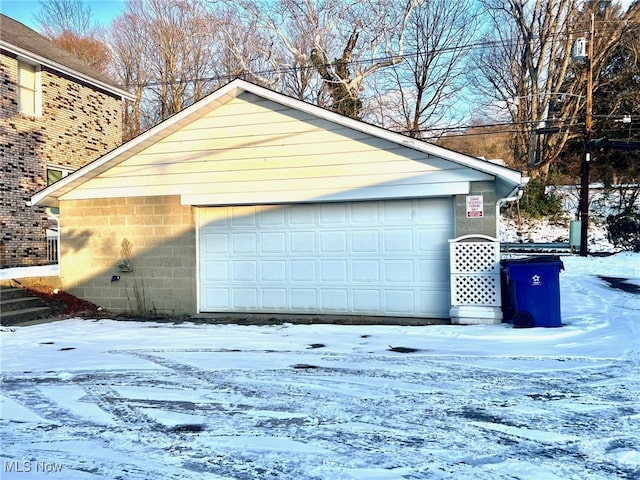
<point x="579" y="50"/>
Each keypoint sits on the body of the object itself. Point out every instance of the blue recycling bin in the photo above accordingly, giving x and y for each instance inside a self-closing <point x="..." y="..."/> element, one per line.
<point x="531" y="291"/>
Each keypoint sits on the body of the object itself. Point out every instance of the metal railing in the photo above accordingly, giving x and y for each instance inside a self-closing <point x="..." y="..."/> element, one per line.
<point x="53" y="245"/>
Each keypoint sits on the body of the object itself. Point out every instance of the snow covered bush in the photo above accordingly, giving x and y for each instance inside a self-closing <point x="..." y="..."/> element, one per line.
<point x="623" y="229"/>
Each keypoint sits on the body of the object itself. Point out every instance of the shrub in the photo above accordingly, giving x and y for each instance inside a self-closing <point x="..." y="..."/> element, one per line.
<point x="623" y="229"/>
<point x="536" y="203"/>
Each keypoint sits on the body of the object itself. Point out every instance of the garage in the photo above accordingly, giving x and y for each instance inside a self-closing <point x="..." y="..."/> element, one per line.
<point x="253" y="202"/>
<point x="381" y="258"/>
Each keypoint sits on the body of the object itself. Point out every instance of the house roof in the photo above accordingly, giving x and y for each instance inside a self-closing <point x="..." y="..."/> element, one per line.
<point x="507" y="179"/>
<point x="19" y="39"/>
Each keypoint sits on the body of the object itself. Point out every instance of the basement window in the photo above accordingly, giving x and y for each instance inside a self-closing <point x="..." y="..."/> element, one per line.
<point x="29" y="91"/>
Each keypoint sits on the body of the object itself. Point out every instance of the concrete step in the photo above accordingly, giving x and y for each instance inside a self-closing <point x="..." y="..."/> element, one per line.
<point x="8" y="293"/>
<point x="16" y="306"/>
<point x="20" y="303"/>
<point x="16" y="317"/>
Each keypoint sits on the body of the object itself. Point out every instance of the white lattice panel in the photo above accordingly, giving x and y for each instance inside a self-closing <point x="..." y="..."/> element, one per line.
<point x="475" y="271"/>
<point x="475" y="257"/>
<point x="475" y="290"/>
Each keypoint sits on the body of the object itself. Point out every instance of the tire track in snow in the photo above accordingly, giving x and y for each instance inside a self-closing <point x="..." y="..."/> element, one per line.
<point x="420" y="423"/>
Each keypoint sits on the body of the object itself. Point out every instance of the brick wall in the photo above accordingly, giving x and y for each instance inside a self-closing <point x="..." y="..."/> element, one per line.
<point x="161" y="233"/>
<point x="78" y="124"/>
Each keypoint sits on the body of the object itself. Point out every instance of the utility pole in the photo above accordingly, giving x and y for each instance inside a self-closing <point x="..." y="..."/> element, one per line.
<point x="588" y="126"/>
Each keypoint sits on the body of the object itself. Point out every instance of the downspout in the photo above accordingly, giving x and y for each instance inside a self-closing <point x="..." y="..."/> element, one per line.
<point x="514" y="196"/>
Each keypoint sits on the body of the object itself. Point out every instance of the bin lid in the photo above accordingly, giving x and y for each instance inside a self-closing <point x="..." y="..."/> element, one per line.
<point x="540" y="259"/>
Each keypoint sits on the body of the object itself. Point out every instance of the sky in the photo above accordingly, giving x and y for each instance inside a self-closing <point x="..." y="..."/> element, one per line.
<point x="104" y="11"/>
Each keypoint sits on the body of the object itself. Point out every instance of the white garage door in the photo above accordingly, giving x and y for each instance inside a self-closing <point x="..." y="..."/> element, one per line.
<point x="387" y="258"/>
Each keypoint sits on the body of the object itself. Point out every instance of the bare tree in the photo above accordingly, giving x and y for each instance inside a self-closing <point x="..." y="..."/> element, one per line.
<point x="68" y="24"/>
<point x="344" y="42"/>
<point x="243" y="49"/>
<point x="527" y="72"/>
<point x="58" y="16"/>
<point x="131" y="68"/>
<point x="163" y="52"/>
<point x="89" y="49"/>
<point x="420" y="91"/>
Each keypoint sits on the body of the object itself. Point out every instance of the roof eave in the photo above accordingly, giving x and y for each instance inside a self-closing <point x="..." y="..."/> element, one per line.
<point x="69" y="71"/>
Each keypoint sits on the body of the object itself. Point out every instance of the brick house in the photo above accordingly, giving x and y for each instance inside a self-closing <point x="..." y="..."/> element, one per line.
<point x="56" y="115"/>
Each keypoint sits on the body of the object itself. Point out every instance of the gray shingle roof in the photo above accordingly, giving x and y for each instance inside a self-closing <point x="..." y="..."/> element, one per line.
<point x="14" y="33"/>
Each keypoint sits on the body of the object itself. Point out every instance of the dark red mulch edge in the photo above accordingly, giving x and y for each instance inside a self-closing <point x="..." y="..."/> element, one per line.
<point x="63" y="303"/>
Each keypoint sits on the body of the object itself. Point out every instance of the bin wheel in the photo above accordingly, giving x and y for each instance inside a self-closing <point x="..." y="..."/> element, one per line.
<point x="522" y="320"/>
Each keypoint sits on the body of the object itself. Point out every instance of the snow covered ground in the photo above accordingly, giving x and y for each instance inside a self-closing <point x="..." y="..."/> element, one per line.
<point x="24" y="272"/>
<point x="100" y="399"/>
<point x="547" y="230"/>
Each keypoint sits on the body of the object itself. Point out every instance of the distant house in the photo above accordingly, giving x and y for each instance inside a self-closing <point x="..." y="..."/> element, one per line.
<point x="250" y="201"/>
<point x="56" y="115"/>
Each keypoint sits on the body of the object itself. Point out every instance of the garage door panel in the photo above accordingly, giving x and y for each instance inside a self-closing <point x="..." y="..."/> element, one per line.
<point x="303" y="300"/>
<point x="398" y="213"/>
<point x="440" y="213"/>
<point x="397" y="241"/>
<point x="274" y="298"/>
<point x="333" y="241"/>
<point x="365" y="241"/>
<point x="303" y="270"/>
<point x="366" y="271"/>
<point x="273" y="271"/>
<point x="364" y="258"/>
<point x="333" y="214"/>
<point x="367" y="301"/>
<point x="243" y="216"/>
<point x="399" y="302"/>
<point x="214" y="243"/>
<point x="302" y="215"/>
<point x="216" y="299"/>
<point x="426" y="266"/>
<point x="244" y="270"/>
<point x="398" y="271"/>
<point x="272" y="217"/>
<point x="333" y="271"/>
<point x="364" y="214"/>
<point x="436" y="298"/>
<point x="302" y="242"/>
<point x="273" y="242"/>
<point x="244" y="243"/>
<point x="334" y="300"/>
<point x="433" y="240"/>
<point x="245" y="299"/>
<point x="215" y="271"/>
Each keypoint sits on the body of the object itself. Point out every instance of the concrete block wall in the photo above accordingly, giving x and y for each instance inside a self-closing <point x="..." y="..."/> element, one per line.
<point x="161" y="233"/>
<point x="79" y="123"/>
<point x="485" y="225"/>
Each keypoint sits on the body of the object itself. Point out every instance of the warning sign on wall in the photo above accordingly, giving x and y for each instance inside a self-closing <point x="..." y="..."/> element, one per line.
<point x="475" y="206"/>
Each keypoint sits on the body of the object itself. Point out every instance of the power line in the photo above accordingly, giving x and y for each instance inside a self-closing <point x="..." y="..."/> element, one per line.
<point x="509" y="41"/>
